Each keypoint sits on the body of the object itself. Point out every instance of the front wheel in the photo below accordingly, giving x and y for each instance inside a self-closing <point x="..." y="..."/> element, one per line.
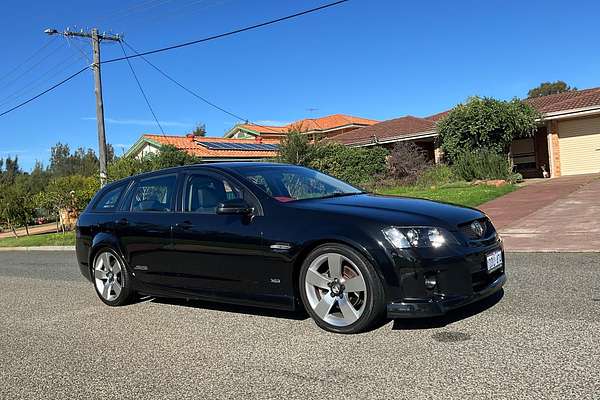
<point x="111" y="281"/>
<point x="341" y="290"/>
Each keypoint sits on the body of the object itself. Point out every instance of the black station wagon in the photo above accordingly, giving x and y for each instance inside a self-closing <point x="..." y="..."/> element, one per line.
<point x="286" y="237"/>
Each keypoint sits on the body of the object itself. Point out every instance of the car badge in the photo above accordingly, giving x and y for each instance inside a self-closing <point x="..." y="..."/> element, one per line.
<point x="477" y="228"/>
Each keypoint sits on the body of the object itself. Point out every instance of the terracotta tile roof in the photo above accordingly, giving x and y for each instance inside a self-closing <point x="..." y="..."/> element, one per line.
<point x="566" y="101"/>
<point x="264" y="128"/>
<point x="313" y="124"/>
<point x="193" y="148"/>
<point x="404" y="126"/>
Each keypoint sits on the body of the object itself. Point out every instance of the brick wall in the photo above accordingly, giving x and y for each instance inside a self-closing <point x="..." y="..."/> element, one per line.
<point x="555" y="146"/>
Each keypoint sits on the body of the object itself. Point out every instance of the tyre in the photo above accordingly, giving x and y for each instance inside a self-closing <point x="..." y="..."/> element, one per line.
<point x="111" y="280"/>
<point x="341" y="290"/>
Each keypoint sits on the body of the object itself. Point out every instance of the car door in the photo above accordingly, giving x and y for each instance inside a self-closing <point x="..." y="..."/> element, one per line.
<point x="144" y="228"/>
<point x="220" y="256"/>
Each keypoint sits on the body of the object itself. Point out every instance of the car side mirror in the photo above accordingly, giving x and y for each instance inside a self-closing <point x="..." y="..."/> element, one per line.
<point x="234" y="206"/>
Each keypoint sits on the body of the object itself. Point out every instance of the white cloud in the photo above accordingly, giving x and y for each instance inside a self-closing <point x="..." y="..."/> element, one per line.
<point x="141" y="122"/>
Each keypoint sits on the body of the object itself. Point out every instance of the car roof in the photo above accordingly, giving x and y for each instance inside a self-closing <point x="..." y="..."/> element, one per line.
<point x="229" y="166"/>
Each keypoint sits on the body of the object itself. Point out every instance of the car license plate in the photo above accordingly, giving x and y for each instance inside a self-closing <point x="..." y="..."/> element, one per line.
<point x="494" y="260"/>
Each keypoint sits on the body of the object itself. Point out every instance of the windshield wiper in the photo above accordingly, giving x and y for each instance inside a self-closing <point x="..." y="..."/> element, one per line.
<point x="339" y="194"/>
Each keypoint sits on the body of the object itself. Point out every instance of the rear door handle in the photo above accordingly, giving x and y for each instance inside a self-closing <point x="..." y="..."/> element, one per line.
<point x="122" y="221"/>
<point x="183" y="225"/>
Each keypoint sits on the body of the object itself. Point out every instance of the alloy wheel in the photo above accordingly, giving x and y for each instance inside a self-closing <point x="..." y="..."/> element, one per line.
<point x="108" y="276"/>
<point x="336" y="289"/>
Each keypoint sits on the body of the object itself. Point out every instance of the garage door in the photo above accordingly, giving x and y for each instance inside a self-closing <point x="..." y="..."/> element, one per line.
<point x="579" y="142"/>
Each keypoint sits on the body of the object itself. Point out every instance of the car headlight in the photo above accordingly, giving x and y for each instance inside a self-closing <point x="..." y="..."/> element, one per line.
<point x="418" y="236"/>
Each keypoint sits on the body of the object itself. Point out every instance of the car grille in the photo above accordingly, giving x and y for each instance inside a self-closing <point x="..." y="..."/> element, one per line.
<point x="470" y="234"/>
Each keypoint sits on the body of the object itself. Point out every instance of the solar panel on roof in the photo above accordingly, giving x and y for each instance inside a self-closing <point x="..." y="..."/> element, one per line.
<point x="238" y="146"/>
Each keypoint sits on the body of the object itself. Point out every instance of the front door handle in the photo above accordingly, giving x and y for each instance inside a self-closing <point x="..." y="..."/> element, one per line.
<point x="183" y="225"/>
<point x="122" y="221"/>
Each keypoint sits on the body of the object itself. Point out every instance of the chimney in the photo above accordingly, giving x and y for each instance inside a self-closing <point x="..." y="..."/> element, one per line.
<point x="190" y="137"/>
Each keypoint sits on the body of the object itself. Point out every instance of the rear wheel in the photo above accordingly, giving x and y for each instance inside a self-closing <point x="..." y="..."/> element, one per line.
<point x="111" y="281"/>
<point x="341" y="290"/>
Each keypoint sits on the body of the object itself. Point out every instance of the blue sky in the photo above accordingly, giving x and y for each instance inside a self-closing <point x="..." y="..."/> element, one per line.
<point x="375" y="59"/>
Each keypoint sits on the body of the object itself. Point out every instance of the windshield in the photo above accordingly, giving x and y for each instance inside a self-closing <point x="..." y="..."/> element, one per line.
<point x="290" y="183"/>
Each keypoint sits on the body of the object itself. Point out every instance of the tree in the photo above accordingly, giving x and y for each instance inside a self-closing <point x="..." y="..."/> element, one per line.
<point x="17" y="207"/>
<point x="296" y="148"/>
<point x="67" y="195"/>
<point x="81" y="162"/>
<point x="485" y="123"/>
<point x="199" y="130"/>
<point x="168" y="156"/>
<point x="546" y="88"/>
<point x="11" y="170"/>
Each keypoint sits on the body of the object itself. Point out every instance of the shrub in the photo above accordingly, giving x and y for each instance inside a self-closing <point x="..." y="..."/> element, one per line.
<point x="356" y="165"/>
<point x="483" y="164"/>
<point x="485" y="123"/>
<point x="437" y="175"/>
<point x="407" y="162"/>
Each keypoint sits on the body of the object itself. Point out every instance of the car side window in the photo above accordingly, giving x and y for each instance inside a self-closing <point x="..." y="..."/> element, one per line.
<point x="154" y="194"/>
<point x="108" y="201"/>
<point x="203" y="193"/>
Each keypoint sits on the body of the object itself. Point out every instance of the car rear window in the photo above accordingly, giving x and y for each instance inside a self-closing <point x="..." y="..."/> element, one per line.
<point x="109" y="199"/>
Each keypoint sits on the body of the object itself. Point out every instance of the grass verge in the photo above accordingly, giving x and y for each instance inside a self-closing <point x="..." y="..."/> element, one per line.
<point x="462" y="194"/>
<point x="48" y="239"/>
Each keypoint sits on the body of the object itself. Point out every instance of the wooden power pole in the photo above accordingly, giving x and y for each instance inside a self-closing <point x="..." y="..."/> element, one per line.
<point x="96" y="39"/>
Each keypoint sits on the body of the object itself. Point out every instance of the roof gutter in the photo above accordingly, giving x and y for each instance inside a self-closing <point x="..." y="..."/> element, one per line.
<point x="572" y="113"/>
<point x="401" y="138"/>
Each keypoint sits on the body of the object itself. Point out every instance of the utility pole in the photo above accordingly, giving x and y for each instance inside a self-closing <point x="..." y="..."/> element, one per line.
<point x="96" y="39"/>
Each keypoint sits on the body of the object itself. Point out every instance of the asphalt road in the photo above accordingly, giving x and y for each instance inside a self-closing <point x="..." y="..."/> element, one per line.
<point x="541" y="340"/>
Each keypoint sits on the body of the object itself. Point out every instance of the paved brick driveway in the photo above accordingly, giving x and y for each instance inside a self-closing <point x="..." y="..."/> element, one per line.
<point x="561" y="214"/>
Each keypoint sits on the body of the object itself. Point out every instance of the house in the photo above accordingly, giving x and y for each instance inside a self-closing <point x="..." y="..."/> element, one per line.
<point x="328" y="126"/>
<point x="208" y="149"/>
<point x="567" y="141"/>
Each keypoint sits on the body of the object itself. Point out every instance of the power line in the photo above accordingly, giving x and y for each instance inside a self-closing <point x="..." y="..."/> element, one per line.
<point x="40" y="80"/>
<point x="179" y="46"/>
<point x="45" y="91"/>
<point x="31" y="57"/>
<point x="190" y="91"/>
<point x="131" y="9"/>
<point x="142" y="90"/>
<point x="31" y="68"/>
<point x="230" y="33"/>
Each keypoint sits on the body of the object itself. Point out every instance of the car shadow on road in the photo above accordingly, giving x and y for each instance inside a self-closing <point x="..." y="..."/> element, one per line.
<point x="234" y="308"/>
<point x="450" y="318"/>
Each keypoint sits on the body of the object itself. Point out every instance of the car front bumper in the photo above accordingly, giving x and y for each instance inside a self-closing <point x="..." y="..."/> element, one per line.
<point x="441" y="305"/>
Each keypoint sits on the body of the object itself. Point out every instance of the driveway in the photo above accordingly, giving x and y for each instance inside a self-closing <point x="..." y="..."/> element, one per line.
<point x="33" y="230"/>
<point x="561" y="214"/>
<point x="59" y="341"/>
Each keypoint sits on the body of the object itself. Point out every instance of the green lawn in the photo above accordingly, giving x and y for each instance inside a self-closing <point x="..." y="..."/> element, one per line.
<point x="463" y="194"/>
<point x="48" y="239"/>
